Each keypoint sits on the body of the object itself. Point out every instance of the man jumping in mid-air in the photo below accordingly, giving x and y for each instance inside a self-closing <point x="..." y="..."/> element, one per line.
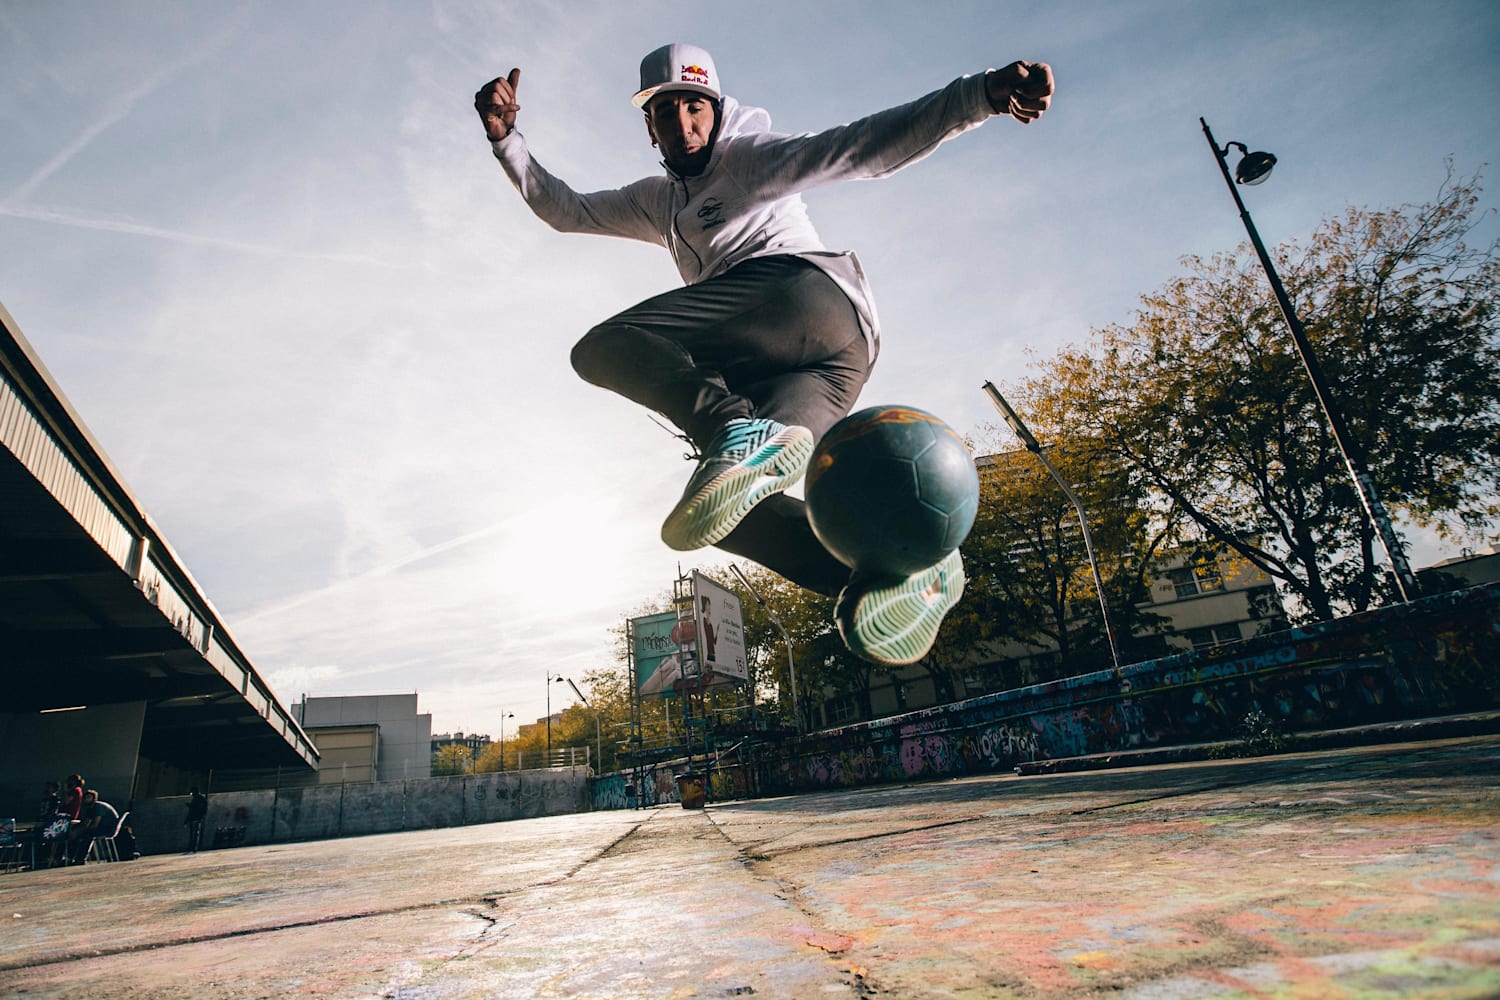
<point x="773" y="336"/>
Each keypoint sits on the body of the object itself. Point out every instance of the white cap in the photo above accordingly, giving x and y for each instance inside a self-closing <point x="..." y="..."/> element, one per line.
<point x="677" y="67"/>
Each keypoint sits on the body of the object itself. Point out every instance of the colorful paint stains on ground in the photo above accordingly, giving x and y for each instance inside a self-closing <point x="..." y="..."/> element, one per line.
<point x="1351" y="881"/>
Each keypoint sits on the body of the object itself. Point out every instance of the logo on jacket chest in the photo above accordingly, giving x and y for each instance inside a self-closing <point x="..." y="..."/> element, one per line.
<point x="711" y="213"/>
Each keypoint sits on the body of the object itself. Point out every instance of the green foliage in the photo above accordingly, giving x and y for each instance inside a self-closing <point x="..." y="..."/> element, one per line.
<point x="819" y="656"/>
<point x="1030" y="584"/>
<point x="452" y="758"/>
<point x="1204" y="400"/>
<point x="488" y="759"/>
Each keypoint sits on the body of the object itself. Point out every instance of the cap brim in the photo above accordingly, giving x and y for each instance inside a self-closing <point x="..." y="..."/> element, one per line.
<point x="641" y="97"/>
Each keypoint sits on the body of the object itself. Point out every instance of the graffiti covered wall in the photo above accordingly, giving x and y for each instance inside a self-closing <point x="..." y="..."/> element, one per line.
<point x="1435" y="656"/>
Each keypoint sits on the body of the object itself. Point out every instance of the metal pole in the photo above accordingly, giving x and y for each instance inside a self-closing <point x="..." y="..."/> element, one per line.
<point x="503" y="717"/>
<point x="548" y="761"/>
<point x="598" y="729"/>
<point x="1033" y="446"/>
<point x="791" y="665"/>
<point x="1354" y="459"/>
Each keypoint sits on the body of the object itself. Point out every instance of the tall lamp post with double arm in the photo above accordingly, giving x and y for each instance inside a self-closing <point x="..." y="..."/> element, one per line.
<point x="1253" y="168"/>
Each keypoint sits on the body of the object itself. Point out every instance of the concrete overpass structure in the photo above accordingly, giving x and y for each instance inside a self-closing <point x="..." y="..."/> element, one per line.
<point x="114" y="662"/>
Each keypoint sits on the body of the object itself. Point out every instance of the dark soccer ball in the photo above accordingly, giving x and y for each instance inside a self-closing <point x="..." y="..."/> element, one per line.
<point x="891" y="490"/>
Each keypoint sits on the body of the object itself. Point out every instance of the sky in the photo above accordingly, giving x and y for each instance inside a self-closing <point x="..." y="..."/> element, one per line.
<point x="266" y="252"/>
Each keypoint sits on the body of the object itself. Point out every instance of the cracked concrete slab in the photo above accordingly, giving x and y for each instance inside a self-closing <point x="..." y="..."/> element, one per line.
<point x="1368" y="872"/>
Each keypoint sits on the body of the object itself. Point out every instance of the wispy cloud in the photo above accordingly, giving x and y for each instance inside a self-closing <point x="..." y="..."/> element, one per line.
<point x="40" y="214"/>
<point x="123" y="103"/>
<point x="348" y="583"/>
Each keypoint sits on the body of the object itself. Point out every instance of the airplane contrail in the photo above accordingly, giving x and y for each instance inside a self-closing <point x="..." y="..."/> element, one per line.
<point x="107" y="225"/>
<point x="119" y="108"/>
<point x="426" y="553"/>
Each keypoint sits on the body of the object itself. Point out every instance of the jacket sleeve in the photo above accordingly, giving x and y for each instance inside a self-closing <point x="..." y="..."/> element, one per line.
<point x="876" y="146"/>
<point x="622" y="212"/>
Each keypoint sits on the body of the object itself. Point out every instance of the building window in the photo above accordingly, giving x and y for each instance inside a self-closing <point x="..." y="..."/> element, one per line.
<point x="841" y="710"/>
<point x="1212" y="635"/>
<point x="1200" y="578"/>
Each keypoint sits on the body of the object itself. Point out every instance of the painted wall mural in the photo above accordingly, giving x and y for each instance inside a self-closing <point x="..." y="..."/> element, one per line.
<point x="1436" y="656"/>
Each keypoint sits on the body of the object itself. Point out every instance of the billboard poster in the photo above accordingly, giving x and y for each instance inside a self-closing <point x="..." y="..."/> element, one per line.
<point x="720" y="629"/>
<point x="659" y="666"/>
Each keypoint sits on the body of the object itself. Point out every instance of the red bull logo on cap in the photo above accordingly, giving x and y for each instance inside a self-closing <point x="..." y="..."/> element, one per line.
<point x="695" y="74"/>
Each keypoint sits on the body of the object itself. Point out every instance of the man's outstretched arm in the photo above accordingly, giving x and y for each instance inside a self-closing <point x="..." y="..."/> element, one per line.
<point x="890" y="140"/>
<point x="603" y="213"/>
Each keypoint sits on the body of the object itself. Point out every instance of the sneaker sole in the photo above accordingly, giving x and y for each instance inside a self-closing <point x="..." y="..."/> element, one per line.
<point x="722" y="503"/>
<point x="897" y="625"/>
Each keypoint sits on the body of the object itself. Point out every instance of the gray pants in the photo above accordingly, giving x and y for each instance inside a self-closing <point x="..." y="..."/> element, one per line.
<point x="773" y="337"/>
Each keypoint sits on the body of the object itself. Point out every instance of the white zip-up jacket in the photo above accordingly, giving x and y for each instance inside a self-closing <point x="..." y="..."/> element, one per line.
<point x="747" y="201"/>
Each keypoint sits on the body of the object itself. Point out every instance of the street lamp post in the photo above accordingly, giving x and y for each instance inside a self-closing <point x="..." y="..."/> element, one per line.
<point x="503" y="716"/>
<point x="598" y="728"/>
<point x="1033" y="446"/>
<point x="791" y="664"/>
<point x="550" y="679"/>
<point x="1254" y="168"/>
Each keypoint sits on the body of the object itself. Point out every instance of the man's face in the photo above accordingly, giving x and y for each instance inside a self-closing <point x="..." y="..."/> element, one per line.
<point x="683" y="124"/>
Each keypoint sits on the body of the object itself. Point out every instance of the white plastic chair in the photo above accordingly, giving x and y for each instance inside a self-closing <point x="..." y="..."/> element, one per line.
<point x="103" y="848"/>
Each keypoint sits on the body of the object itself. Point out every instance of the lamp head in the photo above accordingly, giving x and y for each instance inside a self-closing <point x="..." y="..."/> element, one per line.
<point x="1254" y="168"/>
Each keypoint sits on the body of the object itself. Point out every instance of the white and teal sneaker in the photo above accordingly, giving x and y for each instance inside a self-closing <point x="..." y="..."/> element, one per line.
<point x="895" y="620"/>
<point x="747" y="461"/>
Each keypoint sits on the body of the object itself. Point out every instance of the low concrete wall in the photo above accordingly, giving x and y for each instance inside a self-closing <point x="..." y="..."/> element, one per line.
<point x="1435" y="656"/>
<point x="352" y="809"/>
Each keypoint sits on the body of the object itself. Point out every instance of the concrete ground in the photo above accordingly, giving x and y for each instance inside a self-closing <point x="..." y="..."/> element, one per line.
<point x="1353" y="873"/>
